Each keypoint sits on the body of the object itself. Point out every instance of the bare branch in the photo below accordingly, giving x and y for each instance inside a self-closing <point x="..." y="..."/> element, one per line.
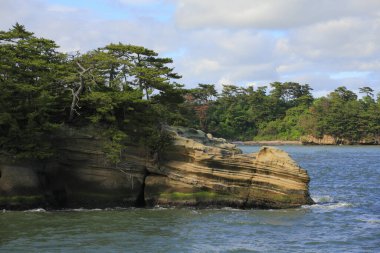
<point x="84" y="70"/>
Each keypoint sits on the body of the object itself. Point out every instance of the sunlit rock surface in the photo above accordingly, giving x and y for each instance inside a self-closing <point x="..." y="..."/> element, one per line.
<point x="199" y="171"/>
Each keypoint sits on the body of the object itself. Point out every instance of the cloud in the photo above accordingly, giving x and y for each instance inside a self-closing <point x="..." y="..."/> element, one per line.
<point x="268" y="14"/>
<point x="345" y="38"/>
<point x="256" y="41"/>
<point x="239" y="42"/>
<point x="80" y="28"/>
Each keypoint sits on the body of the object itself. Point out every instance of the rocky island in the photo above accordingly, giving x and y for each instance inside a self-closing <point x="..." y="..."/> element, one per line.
<point x="89" y="130"/>
<point x="195" y="170"/>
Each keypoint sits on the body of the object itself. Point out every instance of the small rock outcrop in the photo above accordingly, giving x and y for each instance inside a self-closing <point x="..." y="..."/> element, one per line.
<point x="330" y="140"/>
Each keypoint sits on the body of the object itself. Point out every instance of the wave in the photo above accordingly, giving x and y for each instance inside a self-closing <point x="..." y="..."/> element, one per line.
<point x="81" y="209"/>
<point x="329" y="206"/>
<point x="231" y="209"/>
<point x="158" y="208"/>
<point x="36" y="210"/>
<point x="323" y="199"/>
<point x="327" y="203"/>
<point x="368" y="218"/>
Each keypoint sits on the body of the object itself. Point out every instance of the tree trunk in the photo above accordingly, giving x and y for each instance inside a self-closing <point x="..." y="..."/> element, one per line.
<point x="75" y="100"/>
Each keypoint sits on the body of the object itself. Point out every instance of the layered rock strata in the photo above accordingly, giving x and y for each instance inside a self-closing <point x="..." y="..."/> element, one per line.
<point x="194" y="174"/>
<point x="197" y="170"/>
<point x="86" y="178"/>
<point x="80" y="176"/>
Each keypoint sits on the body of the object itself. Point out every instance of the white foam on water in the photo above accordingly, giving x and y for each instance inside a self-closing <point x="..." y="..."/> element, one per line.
<point x="371" y="219"/>
<point x="337" y="205"/>
<point x="158" y="207"/>
<point x="118" y="208"/>
<point x="329" y="206"/>
<point x="327" y="203"/>
<point x="85" y="210"/>
<point x="80" y="210"/>
<point x="323" y="199"/>
<point x="36" y="210"/>
<point x="231" y="209"/>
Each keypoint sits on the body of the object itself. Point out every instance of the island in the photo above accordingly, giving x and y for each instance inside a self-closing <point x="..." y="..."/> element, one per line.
<point x="195" y="170"/>
<point x="114" y="126"/>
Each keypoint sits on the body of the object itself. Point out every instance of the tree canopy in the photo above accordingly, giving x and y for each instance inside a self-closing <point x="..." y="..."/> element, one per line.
<point x="126" y="88"/>
<point x="32" y="93"/>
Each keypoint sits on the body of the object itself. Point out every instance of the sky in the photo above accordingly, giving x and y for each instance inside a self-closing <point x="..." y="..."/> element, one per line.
<point x="323" y="43"/>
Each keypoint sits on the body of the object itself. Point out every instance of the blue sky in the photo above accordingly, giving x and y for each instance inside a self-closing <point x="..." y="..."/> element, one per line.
<point x="113" y="10"/>
<point x="244" y="42"/>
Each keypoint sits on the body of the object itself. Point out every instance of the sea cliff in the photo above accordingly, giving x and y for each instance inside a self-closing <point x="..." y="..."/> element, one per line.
<point x="195" y="170"/>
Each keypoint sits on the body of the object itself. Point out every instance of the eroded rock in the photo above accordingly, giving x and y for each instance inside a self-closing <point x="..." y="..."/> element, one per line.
<point x="196" y="170"/>
<point x="222" y="176"/>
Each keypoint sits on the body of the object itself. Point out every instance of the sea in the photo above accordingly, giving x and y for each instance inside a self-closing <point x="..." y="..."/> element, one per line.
<point x="345" y="184"/>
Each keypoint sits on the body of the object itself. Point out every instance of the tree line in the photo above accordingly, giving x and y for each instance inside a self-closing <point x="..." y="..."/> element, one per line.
<point x="286" y="111"/>
<point x="131" y="92"/>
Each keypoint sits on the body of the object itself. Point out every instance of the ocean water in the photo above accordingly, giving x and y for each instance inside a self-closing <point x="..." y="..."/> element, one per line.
<point x="345" y="183"/>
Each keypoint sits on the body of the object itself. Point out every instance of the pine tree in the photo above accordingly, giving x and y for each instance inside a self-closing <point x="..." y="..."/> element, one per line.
<point x="31" y="92"/>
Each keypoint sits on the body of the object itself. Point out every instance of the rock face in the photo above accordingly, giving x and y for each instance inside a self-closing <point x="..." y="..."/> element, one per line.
<point x="192" y="173"/>
<point x="84" y="177"/>
<point x="330" y="140"/>
<point x="20" y="186"/>
<point x="80" y="176"/>
<point x="197" y="170"/>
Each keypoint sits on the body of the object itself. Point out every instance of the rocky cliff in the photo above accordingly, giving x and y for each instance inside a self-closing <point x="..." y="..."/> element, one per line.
<point x="330" y="140"/>
<point x="80" y="176"/>
<point x="20" y="186"/>
<point x="196" y="170"/>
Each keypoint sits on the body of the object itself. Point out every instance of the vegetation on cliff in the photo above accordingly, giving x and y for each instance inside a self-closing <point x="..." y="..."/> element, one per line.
<point x="131" y="92"/>
<point x="123" y="88"/>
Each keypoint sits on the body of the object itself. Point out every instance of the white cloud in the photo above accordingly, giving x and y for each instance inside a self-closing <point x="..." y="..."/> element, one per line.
<point x="344" y="38"/>
<point x="240" y="42"/>
<point x="306" y="40"/>
<point x="80" y="29"/>
<point x="268" y="14"/>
